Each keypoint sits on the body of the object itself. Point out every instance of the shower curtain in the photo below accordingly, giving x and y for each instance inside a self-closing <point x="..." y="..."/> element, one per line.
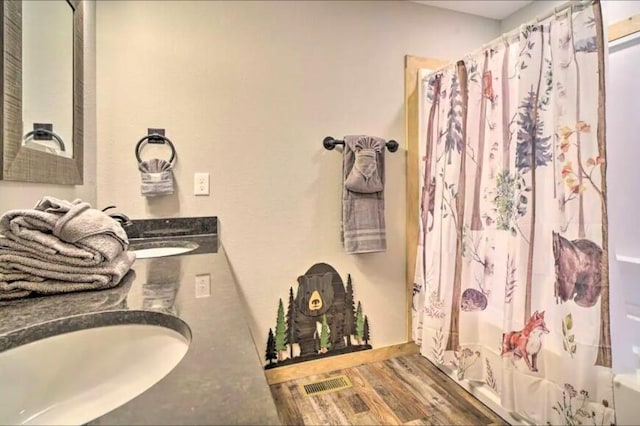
<point x="511" y="283"/>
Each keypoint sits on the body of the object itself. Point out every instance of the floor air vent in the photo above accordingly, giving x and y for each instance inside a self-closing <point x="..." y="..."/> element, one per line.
<point x="328" y="385"/>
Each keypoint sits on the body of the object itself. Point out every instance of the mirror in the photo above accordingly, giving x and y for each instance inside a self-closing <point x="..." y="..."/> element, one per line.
<point x="42" y="115"/>
<point x="47" y="75"/>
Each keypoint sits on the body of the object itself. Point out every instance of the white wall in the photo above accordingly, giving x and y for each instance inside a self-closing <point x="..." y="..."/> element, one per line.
<point x="247" y="91"/>
<point x="612" y="11"/>
<point x="537" y="8"/>
<point x="623" y="174"/>
<point x="15" y="195"/>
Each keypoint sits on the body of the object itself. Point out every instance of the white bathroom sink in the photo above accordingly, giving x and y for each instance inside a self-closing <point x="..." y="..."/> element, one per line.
<point x="75" y="377"/>
<point x="162" y="249"/>
<point x="160" y="252"/>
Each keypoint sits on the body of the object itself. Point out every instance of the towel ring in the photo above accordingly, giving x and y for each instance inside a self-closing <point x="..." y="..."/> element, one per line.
<point x="155" y="137"/>
<point x="48" y="133"/>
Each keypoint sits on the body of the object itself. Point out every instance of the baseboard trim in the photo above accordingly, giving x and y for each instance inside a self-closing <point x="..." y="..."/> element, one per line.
<point x="338" y="362"/>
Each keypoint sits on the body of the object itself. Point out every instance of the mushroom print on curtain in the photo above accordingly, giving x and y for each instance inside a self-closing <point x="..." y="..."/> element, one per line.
<point x="511" y="283"/>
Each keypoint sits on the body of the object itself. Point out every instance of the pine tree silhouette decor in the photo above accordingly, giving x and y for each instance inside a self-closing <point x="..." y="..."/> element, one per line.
<point x="281" y="337"/>
<point x="359" y="323"/>
<point x="324" y="336"/>
<point x="350" y="312"/>
<point x="365" y="330"/>
<point x="291" y="323"/>
<point x="270" y="354"/>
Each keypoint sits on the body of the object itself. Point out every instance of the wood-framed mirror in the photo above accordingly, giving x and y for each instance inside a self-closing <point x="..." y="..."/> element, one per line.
<point x="22" y="158"/>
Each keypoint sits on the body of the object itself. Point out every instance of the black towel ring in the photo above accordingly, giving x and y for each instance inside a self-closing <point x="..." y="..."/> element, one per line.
<point x="154" y="138"/>
<point x="40" y="132"/>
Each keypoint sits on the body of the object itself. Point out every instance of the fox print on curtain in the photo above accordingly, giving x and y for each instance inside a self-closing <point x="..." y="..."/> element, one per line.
<point x="511" y="283"/>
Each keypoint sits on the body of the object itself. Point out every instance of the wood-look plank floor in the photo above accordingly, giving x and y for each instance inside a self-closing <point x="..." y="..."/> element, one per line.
<point x="408" y="390"/>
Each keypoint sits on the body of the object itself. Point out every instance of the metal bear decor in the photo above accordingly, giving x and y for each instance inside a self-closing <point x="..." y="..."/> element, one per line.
<point x="321" y="320"/>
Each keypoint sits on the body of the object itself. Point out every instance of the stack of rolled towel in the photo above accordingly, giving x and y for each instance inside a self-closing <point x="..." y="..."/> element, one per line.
<point x="60" y="247"/>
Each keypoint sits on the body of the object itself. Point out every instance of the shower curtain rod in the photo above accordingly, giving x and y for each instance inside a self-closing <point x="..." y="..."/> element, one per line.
<point x="506" y="36"/>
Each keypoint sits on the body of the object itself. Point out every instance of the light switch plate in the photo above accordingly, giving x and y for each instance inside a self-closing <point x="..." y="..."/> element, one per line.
<point x="201" y="184"/>
<point x="203" y="285"/>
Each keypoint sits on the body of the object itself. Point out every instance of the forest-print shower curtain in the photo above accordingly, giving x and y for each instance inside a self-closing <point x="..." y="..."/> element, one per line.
<point x="511" y="284"/>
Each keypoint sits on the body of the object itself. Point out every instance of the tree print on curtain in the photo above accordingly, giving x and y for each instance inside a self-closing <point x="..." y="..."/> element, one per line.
<point x="427" y="204"/>
<point x="511" y="274"/>
<point x="458" y="133"/>
<point x="487" y="93"/>
<point x="532" y="151"/>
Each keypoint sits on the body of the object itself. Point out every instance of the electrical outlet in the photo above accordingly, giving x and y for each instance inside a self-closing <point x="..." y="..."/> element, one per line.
<point x="203" y="285"/>
<point x="201" y="184"/>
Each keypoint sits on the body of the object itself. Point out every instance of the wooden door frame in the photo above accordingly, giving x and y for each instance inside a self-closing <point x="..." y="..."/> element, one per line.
<point x="623" y="28"/>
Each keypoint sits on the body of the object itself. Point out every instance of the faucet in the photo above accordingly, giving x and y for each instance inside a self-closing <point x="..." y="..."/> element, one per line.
<point x="121" y="218"/>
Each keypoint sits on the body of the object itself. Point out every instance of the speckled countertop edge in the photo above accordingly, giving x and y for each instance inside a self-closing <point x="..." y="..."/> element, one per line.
<point x="73" y="323"/>
<point x="220" y="380"/>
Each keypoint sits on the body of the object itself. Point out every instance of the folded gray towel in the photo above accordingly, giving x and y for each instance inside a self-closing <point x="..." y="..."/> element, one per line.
<point x="56" y="251"/>
<point x="156" y="176"/>
<point x="21" y="275"/>
<point x="78" y="220"/>
<point x="364" y="176"/>
<point x="363" y="225"/>
<point x="64" y="232"/>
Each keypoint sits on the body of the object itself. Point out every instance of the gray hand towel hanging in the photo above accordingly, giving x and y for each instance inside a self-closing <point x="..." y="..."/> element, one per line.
<point x="156" y="174"/>
<point x="363" y="224"/>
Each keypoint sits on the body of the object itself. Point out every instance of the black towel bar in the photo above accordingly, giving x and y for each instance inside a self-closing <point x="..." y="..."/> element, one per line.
<point x="329" y="143"/>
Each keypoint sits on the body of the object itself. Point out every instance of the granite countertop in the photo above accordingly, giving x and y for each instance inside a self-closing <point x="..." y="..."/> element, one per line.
<point x="220" y="380"/>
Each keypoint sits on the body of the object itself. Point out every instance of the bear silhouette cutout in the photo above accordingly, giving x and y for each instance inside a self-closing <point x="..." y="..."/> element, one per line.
<point x="320" y="292"/>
